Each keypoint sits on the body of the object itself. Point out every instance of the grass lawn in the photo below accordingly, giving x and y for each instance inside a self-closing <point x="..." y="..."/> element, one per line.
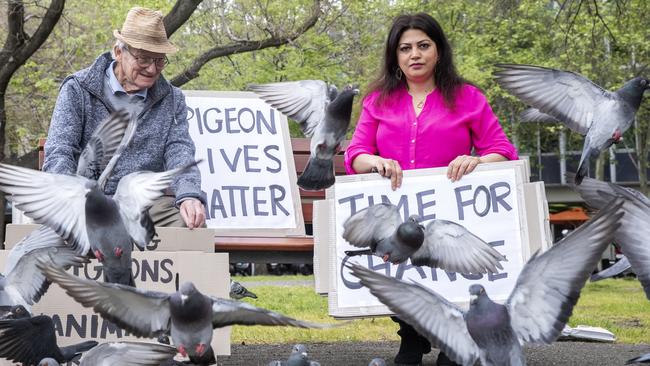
<point x="617" y="305"/>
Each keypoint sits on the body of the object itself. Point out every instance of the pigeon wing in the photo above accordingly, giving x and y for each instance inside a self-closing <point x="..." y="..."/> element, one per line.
<point x="128" y="354"/>
<point x="450" y="246"/>
<point x="549" y="285"/>
<point x="534" y="115"/>
<point x="55" y="200"/>
<point x="136" y="193"/>
<point x="28" y="281"/>
<point x="231" y="312"/>
<point x="372" y="224"/>
<point x="28" y="340"/>
<point x="142" y="313"/>
<point x="434" y="317"/>
<point x="102" y="145"/>
<point x="43" y="237"/>
<point x="303" y="101"/>
<point x="566" y="96"/>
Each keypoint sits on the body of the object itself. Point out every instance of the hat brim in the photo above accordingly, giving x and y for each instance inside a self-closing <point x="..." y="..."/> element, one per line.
<point x="166" y="47"/>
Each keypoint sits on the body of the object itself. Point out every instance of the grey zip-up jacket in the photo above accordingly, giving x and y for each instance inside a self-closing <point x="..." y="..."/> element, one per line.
<point x="161" y="141"/>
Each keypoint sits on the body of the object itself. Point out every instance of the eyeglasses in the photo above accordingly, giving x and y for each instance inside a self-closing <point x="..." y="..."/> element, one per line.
<point x="145" y="62"/>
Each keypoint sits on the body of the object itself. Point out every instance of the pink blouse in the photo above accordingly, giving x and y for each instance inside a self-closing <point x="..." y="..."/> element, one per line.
<point x="432" y="139"/>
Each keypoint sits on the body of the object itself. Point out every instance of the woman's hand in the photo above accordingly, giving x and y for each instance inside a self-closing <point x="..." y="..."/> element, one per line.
<point x="390" y="169"/>
<point x="463" y="164"/>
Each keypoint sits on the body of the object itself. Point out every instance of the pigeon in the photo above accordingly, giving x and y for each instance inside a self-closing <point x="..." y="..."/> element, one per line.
<point x="76" y="209"/>
<point x="641" y="359"/>
<point x="442" y="244"/>
<point x="298" y="357"/>
<point x="584" y="107"/>
<point x="322" y="114"/>
<point x="619" y="267"/>
<point x="128" y="354"/>
<point x="377" y="362"/>
<point x="238" y="291"/>
<point x="634" y="232"/>
<point x="30" y="340"/>
<point x="539" y="306"/>
<point x="189" y="315"/>
<point x="22" y="282"/>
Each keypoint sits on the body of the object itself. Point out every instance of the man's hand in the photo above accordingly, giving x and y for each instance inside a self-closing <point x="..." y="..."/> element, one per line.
<point x="193" y="213"/>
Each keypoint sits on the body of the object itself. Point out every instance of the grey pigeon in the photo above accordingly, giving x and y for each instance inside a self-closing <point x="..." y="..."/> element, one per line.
<point x="238" y="291"/>
<point x="322" y="113"/>
<point x="298" y="357"/>
<point x="30" y="340"/>
<point x="128" y="354"/>
<point x="442" y="244"/>
<point x="76" y="209"/>
<point x="539" y="306"/>
<point x="617" y="268"/>
<point x="48" y="361"/>
<point x="634" y="232"/>
<point x="22" y="282"/>
<point x="189" y="315"/>
<point x="534" y="115"/>
<point x="377" y="362"/>
<point x="584" y="107"/>
<point x="641" y="359"/>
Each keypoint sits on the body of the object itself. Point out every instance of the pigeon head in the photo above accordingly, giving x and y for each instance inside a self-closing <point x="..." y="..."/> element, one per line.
<point x="377" y="362"/>
<point x="633" y="90"/>
<point x="18" y="312"/>
<point x="48" y="362"/>
<point x="411" y="233"/>
<point x="299" y="348"/>
<point x="298" y="359"/>
<point x="476" y="292"/>
<point x="341" y="107"/>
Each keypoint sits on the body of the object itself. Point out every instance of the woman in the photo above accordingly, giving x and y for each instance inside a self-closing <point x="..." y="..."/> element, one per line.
<point x="420" y="113"/>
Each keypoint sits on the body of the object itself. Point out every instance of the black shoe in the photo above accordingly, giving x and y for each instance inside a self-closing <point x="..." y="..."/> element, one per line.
<point x="443" y="360"/>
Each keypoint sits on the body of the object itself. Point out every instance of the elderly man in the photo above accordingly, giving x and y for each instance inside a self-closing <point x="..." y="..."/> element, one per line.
<point x="130" y="78"/>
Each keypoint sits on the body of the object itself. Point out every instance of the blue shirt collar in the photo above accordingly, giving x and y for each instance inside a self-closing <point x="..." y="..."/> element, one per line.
<point x="115" y="85"/>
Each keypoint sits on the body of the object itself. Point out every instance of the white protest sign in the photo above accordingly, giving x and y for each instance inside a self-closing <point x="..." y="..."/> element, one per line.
<point x="489" y="203"/>
<point x="248" y="173"/>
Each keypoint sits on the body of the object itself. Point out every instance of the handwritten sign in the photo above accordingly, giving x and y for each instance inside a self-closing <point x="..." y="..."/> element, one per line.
<point x="488" y="203"/>
<point x="249" y="174"/>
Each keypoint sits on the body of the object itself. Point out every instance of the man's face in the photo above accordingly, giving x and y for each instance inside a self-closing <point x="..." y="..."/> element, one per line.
<point x="138" y="69"/>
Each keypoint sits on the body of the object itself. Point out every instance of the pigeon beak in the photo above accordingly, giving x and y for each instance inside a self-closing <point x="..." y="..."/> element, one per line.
<point x="473" y="298"/>
<point x="183" y="298"/>
<point x="386" y="257"/>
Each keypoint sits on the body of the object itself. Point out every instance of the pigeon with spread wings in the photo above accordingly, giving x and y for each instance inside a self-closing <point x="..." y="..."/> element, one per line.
<point x="539" y="306"/>
<point x="441" y="244"/>
<point x="322" y="113"/>
<point x="584" y="107"/>
<point x="188" y="314"/>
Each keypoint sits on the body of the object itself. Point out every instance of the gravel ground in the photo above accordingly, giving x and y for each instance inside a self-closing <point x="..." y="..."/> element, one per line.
<point x="359" y="354"/>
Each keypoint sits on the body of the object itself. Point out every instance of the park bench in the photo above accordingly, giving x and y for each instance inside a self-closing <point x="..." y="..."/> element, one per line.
<point x="259" y="249"/>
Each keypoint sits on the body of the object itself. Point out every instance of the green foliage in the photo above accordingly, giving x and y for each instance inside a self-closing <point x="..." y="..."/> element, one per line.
<point x="346" y="46"/>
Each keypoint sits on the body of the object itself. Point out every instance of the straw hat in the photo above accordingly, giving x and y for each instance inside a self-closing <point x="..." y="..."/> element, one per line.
<point x="144" y="29"/>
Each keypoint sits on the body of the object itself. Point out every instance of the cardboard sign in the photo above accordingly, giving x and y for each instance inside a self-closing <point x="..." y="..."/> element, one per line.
<point x="248" y="172"/>
<point x="169" y="239"/>
<point x="155" y="271"/>
<point x="489" y="202"/>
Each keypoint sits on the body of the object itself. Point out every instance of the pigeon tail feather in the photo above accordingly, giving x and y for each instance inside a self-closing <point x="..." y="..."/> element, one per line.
<point x="318" y="174"/>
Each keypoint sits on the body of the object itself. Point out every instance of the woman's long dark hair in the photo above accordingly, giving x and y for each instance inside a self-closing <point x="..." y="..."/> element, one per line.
<point x="445" y="76"/>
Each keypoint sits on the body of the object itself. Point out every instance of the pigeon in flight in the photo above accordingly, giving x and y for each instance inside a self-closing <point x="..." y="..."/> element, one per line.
<point x="322" y="113"/>
<point x="128" y="354"/>
<point x="30" y="340"/>
<point x="441" y="244"/>
<point x="189" y="315"/>
<point x="617" y="268"/>
<point x="22" y="282"/>
<point x="76" y="209"/>
<point x="238" y="291"/>
<point x="584" y="107"/>
<point x="539" y="306"/>
<point x="634" y="232"/>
